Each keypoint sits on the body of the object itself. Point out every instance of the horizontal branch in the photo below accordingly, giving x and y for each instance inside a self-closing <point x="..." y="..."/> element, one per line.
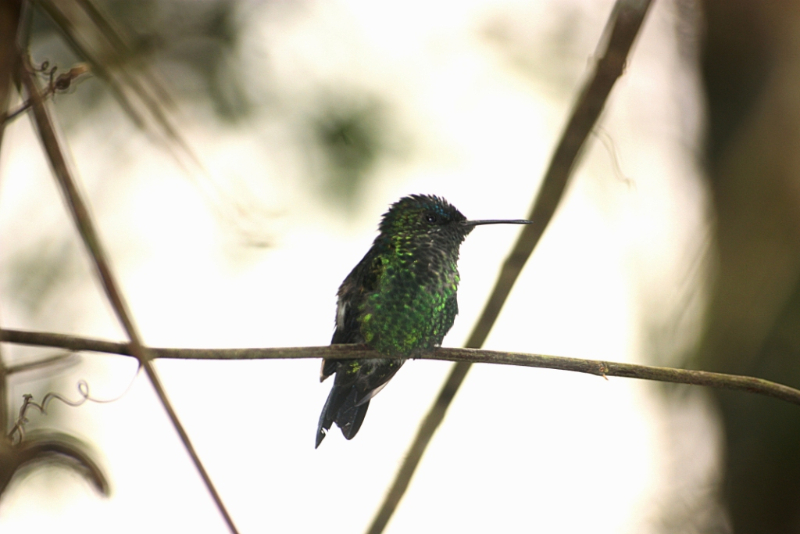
<point x="339" y="352"/>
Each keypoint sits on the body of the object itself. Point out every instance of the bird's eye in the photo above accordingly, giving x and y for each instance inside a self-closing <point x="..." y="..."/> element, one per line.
<point x="431" y="218"/>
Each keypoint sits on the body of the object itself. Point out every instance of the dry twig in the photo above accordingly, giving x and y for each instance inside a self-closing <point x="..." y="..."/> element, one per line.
<point x="621" y="29"/>
<point x="579" y="365"/>
<point x="86" y="228"/>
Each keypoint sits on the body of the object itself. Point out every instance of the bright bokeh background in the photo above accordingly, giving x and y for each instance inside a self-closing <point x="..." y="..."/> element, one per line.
<point x="477" y="93"/>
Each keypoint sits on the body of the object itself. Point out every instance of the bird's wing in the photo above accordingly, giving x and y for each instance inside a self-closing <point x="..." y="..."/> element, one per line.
<point x="362" y="280"/>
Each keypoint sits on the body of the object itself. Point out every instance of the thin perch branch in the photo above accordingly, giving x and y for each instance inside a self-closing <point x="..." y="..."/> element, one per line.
<point x="749" y="384"/>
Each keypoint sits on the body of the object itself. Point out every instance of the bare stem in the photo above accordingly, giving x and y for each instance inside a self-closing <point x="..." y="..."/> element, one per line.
<point x="622" y="28"/>
<point x="86" y="228"/>
<point x="578" y="365"/>
<point x="9" y="23"/>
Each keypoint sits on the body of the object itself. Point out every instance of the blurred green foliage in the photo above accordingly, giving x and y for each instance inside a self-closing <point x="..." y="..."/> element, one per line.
<point x="351" y="137"/>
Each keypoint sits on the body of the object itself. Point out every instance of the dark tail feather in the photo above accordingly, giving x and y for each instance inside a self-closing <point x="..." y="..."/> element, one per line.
<point x="351" y="415"/>
<point x="336" y="398"/>
<point x="343" y="409"/>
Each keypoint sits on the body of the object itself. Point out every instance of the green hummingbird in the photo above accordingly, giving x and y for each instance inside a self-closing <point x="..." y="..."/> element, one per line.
<point x="400" y="300"/>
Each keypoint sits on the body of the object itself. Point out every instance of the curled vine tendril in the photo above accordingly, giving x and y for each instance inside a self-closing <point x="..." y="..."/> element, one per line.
<point x="17" y="433"/>
<point x="55" y="84"/>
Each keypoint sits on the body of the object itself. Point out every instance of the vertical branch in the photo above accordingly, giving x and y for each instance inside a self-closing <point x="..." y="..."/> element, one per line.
<point x="4" y="413"/>
<point x="622" y="28"/>
<point x="9" y="23"/>
<point x="83" y="221"/>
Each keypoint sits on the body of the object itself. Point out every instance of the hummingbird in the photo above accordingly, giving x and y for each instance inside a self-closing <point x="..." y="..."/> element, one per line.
<point x="400" y="300"/>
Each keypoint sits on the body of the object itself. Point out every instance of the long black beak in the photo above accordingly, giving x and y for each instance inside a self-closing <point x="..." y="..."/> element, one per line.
<point x="497" y="221"/>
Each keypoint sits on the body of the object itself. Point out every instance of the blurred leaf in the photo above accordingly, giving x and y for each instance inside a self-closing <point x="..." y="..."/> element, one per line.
<point x="44" y="448"/>
<point x="351" y="137"/>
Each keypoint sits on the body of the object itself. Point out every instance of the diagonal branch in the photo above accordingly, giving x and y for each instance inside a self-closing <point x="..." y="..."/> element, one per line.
<point x="9" y="23"/>
<point x="339" y="352"/>
<point x="93" y="36"/>
<point x="83" y="221"/>
<point x="64" y="359"/>
<point x="622" y="27"/>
